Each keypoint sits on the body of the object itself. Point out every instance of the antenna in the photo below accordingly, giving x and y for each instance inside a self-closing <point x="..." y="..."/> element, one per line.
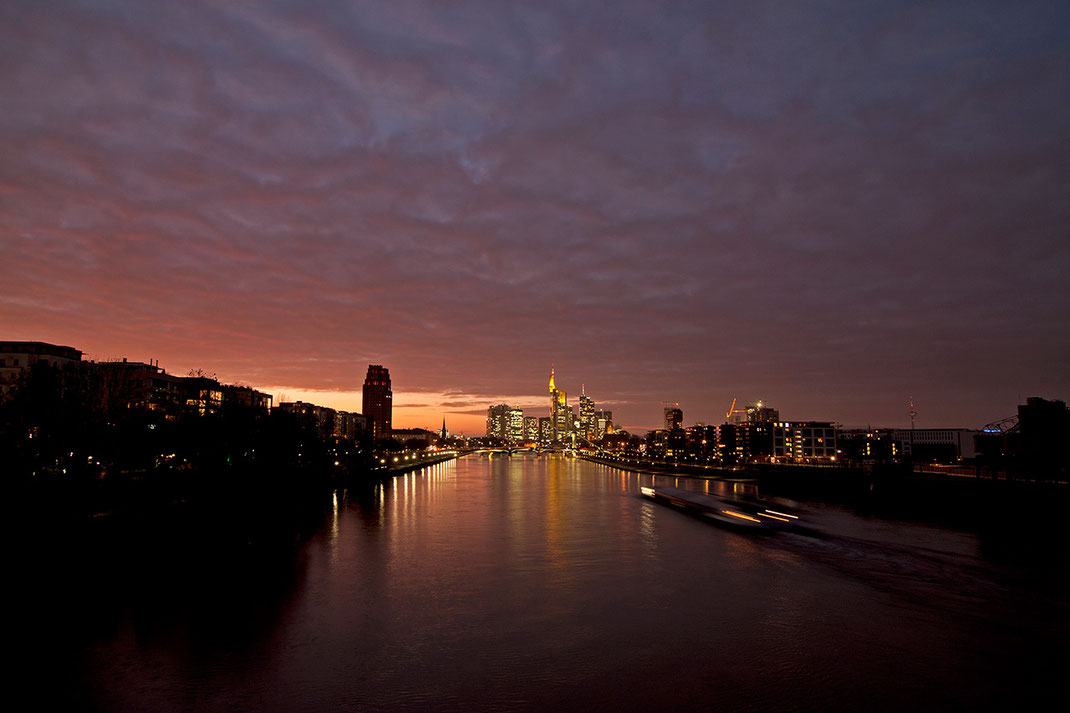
<point x="913" y="415"/>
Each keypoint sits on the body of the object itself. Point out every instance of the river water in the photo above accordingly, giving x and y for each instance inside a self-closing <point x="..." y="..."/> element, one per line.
<point x="545" y="583"/>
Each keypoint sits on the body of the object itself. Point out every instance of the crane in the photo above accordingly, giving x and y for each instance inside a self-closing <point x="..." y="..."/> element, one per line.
<point x="732" y="409"/>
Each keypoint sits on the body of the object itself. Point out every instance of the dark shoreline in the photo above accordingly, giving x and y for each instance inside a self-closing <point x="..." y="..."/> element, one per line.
<point x="894" y="493"/>
<point x="241" y="509"/>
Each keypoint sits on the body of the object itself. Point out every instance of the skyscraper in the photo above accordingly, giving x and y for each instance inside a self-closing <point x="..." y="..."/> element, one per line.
<point x="560" y="414"/>
<point x="531" y="429"/>
<point x="515" y="430"/>
<point x="588" y="424"/>
<point x="378" y="400"/>
<point x="498" y="421"/>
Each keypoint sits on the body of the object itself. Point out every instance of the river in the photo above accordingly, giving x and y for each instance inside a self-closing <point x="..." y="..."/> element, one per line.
<point x="545" y="583"/>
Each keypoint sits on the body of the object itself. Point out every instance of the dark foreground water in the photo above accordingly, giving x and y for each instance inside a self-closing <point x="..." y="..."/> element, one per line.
<point x="538" y="584"/>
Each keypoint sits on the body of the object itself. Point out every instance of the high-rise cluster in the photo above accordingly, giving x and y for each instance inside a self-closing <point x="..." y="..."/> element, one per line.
<point x="510" y="425"/>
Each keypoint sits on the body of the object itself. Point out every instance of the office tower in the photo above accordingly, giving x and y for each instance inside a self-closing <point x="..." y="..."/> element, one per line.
<point x="378" y="400"/>
<point x="546" y="431"/>
<point x="531" y="429"/>
<point x="498" y="421"/>
<point x="515" y="429"/>
<point x="560" y="414"/>
<point x="588" y="424"/>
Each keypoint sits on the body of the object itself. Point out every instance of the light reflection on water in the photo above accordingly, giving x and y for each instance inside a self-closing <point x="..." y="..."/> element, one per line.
<point x="535" y="583"/>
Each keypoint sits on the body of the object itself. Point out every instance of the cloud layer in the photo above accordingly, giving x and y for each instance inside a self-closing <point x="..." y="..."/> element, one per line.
<point x="830" y="206"/>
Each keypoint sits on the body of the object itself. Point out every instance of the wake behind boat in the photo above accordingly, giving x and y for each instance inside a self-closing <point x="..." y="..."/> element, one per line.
<point x="744" y="514"/>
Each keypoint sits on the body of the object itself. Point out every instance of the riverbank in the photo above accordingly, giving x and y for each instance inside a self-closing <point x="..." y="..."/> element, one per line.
<point x="639" y="465"/>
<point x="889" y="492"/>
<point x="238" y="506"/>
<point x="399" y="465"/>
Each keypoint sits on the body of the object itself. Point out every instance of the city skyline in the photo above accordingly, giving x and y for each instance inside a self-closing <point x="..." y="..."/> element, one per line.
<point x="833" y="207"/>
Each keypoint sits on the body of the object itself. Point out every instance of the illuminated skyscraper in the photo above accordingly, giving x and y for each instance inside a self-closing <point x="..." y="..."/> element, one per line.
<point x="588" y="424"/>
<point x="515" y="427"/>
<point x="560" y="414"/>
<point x="531" y="429"/>
<point x="378" y="400"/>
<point x="546" y="431"/>
<point x="498" y="421"/>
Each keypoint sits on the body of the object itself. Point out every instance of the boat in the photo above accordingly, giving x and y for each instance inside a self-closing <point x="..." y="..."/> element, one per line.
<point x="742" y="513"/>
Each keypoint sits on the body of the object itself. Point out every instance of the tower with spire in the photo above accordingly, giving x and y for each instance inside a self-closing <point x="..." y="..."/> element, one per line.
<point x="559" y="412"/>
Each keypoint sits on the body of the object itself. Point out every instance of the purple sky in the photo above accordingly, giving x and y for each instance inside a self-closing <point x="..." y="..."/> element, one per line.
<point x="830" y="206"/>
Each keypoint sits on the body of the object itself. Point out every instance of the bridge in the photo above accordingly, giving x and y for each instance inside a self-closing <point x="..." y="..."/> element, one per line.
<point x="575" y="444"/>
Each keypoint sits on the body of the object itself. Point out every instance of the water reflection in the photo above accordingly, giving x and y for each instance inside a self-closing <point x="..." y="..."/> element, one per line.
<point x="537" y="583"/>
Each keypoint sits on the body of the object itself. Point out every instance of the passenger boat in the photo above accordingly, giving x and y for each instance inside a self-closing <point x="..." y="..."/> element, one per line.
<point x="738" y="513"/>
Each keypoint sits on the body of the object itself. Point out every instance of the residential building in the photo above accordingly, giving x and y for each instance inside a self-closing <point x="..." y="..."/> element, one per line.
<point x="321" y="418"/>
<point x="17" y="357"/>
<point x="804" y="441"/>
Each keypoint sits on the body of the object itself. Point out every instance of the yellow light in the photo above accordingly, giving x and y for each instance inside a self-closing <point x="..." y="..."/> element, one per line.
<point x="740" y="515"/>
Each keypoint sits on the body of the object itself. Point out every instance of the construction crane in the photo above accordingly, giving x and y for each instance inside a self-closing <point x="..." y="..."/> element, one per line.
<point x="732" y="409"/>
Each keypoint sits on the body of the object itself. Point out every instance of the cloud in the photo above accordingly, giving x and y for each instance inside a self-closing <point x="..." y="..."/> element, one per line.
<point x="671" y="201"/>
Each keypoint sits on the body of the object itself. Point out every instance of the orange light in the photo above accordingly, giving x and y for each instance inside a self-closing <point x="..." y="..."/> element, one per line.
<point x="740" y="515"/>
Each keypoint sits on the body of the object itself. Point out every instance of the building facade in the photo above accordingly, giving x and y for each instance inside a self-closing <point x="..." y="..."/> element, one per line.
<point x="546" y="431"/>
<point x="498" y="421"/>
<point x="515" y="429"/>
<point x="674" y="416"/>
<point x="378" y="403"/>
<point x="936" y="444"/>
<point x="560" y="414"/>
<point x="804" y="441"/>
<point x="603" y="423"/>
<point x="588" y="424"/>
<point x="16" y="358"/>
<point x="531" y="429"/>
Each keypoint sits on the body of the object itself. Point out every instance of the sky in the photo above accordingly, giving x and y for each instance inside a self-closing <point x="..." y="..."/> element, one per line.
<point x="829" y="206"/>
